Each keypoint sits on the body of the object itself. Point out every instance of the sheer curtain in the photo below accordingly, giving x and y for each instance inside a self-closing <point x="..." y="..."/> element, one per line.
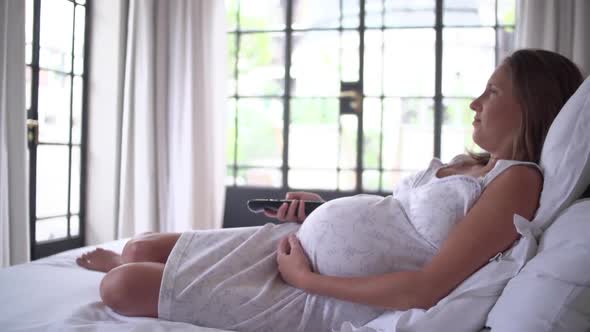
<point x="557" y="25"/>
<point x="172" y="165"/>
<point x="14" y="231"/>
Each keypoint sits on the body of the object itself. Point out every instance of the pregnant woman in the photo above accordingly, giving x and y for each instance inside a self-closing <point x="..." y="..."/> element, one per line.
<point x="355" y="257"/>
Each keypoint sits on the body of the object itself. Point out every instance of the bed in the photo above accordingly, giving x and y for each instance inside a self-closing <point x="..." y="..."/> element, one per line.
<point x="55" y="294"/>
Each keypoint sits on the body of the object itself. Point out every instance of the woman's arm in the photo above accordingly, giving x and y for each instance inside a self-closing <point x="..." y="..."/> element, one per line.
<point x="486" y="230"/>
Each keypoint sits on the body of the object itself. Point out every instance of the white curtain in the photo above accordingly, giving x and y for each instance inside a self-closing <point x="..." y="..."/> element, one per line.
<point x="562" y="26"/>
<point x="14" y="230"/>
<point x="173" y="127"/>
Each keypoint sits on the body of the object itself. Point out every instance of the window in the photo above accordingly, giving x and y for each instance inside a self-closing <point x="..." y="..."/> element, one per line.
<point x="56" y="78"/>
<point x="349" y="96"/>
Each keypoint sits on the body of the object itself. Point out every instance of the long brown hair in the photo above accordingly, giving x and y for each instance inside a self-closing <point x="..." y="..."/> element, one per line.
<point x="543" y="81"/>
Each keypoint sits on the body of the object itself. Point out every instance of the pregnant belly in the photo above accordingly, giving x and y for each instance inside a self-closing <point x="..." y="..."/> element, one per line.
<point x="357" y="236"/>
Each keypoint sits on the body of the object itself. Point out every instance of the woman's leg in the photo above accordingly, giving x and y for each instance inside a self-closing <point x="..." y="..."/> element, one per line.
<point x="146" y="247"/>
<point x="133" y="289"/>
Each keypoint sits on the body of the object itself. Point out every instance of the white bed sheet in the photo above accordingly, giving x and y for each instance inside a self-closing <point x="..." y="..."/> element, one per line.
<point x="54" y="294"/>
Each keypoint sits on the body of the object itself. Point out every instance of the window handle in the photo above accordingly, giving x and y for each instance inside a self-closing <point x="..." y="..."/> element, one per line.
<point x="33" y="131"/>
<point x="350" y="98"/>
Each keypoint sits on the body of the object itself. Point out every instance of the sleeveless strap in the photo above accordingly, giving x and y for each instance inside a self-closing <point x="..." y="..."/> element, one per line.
<point x="502" y="165"/>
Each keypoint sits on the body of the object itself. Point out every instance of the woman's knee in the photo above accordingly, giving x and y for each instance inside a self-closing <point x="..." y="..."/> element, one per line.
<point x="133" y="289"/>
<point x="150" y="247"/>
<point x="115" y="288"/>
<point x="137" y="250"/>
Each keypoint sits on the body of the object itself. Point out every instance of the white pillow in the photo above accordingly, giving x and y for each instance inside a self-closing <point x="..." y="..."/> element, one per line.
<point x="565" y="158"/>
<point x="552" y="292"/>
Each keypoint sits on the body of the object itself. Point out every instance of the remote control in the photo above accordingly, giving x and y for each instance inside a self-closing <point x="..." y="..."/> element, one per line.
<point x="258" y="205"/>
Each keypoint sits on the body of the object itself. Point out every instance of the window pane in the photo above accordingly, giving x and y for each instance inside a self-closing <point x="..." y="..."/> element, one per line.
<point x="313" y="133"/>
<point x="469" y="12"/>
<point x="409" y="70"/>
<point x="408" y="133"/>
<point x="56" y="60"/>
<point x="316" y="14"/>
<point x="79" y="40"/>
<point x="29" y="17"/>
<point x="262" y="14"/>
<point x="506" y="42"/>
<point x="230" y="141"/>
<point x="370" y="180"/>
<point x="52" y="180"/>
<point x="54" y="107"/>
<point x="231" y="13"/>
<point x="231" y="63"/>
<point x="77" y="110"/>
<point x="28" y="53"/>
<point x="315" y="63"/>
<point x="457" y="128"/>
<point x="28" y="78"/>
<point x="79" y="31"/>
<point x="506" y="12"/>
<point x="371" y="132"/>
<point x="373" y="81"/>
<point x="260" y="132"/>
<point x="51" y="229"/>
<point x="349" y="56"/>
<point x="74" y="226"/>
<point x="348" y="140"/>
<point x="468" y="60"/>
<point x="313" y="179"/>
<point x="75" y="181"/>
<point x="261" y="64"/>
<point x="417" y="13"/>
<point x="230" y="176"/>
<point x="79" y="65"/>
<point x="81" y="2"/>
<point x="56" y="35"/>
<point x="259" y="177"/>
<point x="373" y="13"/>
<point x="347" y="180"/>
<point x="350" y="13"/>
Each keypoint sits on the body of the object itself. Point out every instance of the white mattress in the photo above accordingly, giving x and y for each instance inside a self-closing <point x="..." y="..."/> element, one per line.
<point x="54" y="294"/>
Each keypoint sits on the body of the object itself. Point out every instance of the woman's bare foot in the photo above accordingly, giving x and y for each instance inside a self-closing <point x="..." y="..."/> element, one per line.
<point x="100" y="260"/>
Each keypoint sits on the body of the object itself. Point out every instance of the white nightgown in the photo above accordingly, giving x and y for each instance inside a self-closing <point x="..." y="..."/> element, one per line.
<point x="228" y="278"/>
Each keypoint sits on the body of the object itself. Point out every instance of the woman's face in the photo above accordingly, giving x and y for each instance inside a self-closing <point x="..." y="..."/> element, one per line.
<point x="497" y="115"/>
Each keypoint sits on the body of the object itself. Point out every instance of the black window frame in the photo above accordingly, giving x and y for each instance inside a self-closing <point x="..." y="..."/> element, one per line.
<point x="236" y="214"/>
<point x="53" y="246"/>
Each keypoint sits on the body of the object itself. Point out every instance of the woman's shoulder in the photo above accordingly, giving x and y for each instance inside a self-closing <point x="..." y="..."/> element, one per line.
<point x="516" y="173"/>
<point x="516" y="166"/>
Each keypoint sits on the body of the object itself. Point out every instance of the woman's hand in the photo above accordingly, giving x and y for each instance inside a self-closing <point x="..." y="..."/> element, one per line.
<point x="294" y="211"/>
<point x="292" y="262"/>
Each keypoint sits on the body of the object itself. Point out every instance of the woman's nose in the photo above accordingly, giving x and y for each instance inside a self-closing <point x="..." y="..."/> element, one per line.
<point x="475" y="105"/>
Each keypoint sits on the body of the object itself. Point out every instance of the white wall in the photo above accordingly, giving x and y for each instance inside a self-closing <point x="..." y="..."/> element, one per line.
<point x="105" y="102"/>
